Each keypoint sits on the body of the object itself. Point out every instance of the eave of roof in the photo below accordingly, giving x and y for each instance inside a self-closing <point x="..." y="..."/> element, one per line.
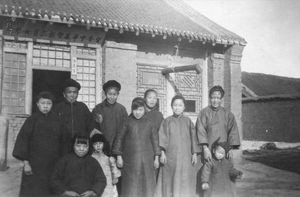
<point x="14" y="10"/>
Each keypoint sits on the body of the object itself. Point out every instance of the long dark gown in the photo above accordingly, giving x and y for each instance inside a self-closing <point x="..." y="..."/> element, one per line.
<point x="114" y="117"/>
<point x="214" y="123"/>
<point x="177" y="178"/>
<point x="39" y="142"/>
<point x="76" y="119"/>
<point x="137" y="142"/>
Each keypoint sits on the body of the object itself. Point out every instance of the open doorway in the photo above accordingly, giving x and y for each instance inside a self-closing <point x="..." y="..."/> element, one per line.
<point x="46" y="80"/>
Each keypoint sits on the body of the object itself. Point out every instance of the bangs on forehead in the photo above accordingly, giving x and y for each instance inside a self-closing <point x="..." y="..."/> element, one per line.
<point x="82" y="141"/>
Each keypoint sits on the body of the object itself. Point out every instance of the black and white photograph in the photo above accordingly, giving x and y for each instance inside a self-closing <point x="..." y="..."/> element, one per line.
<point x="149" y="98"/>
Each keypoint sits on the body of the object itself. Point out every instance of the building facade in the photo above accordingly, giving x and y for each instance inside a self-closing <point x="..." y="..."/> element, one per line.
<point x="43" y="43"/>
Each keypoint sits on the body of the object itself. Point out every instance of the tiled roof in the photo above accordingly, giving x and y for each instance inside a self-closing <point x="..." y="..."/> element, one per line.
<point x="271" y="85"/>
<point x="167" y="18"/>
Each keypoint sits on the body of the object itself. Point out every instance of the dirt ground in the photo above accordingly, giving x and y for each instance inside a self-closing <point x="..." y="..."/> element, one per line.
<point x="266" y="174"/>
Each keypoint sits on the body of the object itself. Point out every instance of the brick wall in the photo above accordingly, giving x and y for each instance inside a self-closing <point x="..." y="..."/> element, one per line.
<point x="272" y="121"/>
<point x="119" y="61"/>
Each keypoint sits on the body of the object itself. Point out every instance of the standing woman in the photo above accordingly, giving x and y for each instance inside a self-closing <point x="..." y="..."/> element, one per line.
<point x="179" y="148"/>
<point x="137" y="150"/>
<point x="152" y="108"/>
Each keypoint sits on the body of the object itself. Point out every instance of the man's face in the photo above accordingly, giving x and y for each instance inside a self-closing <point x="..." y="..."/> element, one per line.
<point x="112" y="95"/>
<point x="216" y="99"/>
<point x="81" y="149"/>
<point x="44" y="105"/>
<point x="71" y="94"/>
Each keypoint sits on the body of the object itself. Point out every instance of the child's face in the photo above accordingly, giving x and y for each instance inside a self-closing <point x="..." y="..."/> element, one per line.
<point x="44" y="105"/>
<point x="178" y="106"/>
<point x="139" y="112"/>
<point x="216" y="99"/>
<point x="71" y="94"/>
<point x="151" y="99"/>
<point x="81" y="149"/>
<point x="112" y="95"/>
<point x="219" y="152"/>
<point x="98" y="146"/>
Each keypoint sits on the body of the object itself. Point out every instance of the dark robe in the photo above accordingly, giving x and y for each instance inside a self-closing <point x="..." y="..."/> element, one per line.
<point x="214" y="123"/>
<point x="78" y="174"/>
<point x="217" y="174"/>
<point x="39" y="142"/>
<point x="114" y="117"/>
<point x="177" y="178"/>
<point x="155" y="117"/>
<point x="137" y="142"/>
<point x="77" y="120"/>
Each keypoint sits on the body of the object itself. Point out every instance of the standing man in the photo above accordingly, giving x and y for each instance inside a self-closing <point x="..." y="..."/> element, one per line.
<point x="110" y="115"/>
<point x="75" y="116"/>
<point x="215" y="122"/>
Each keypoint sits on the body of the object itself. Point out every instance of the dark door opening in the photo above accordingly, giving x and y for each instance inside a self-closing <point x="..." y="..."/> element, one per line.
<point x="46" y="80"/>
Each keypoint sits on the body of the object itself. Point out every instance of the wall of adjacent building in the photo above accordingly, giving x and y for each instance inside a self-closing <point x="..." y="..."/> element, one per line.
<point x="272" y="120"/>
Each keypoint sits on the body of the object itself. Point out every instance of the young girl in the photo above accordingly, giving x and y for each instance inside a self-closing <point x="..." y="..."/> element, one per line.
<point x="217" y="175"/>
<point x="137" y="150"/>
<point x="38" y="145"/>
<point x="179" y="149"/>
<point x="108" y="164"/>
<point x="77" y="174"/>
<point x="152" y="107"/>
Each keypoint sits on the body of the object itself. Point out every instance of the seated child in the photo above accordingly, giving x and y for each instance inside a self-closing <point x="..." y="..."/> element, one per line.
<point x="108" y="164"/>
<point x="78" y="174"/>
<point x="38" y="145"/>
<point x="219" y="174"/>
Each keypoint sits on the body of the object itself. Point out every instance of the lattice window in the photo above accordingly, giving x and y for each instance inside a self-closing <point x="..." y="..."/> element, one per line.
<point x="51" y="56"/>
<point x="14" y="80"/>
<point x="86" y="76"/>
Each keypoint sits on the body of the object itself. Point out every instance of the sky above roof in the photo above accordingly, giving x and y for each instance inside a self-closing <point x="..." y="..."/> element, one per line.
<point x="270" y="27"/>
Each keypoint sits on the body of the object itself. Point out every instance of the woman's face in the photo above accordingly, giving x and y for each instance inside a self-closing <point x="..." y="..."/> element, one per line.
<point x="216" y="99"/>
<point x="178" y="106"/>
<point x="81" y="149"/>
<point x="139" y="112"/>
<point x="112" y="95"/>
<point x="151" y="99"/>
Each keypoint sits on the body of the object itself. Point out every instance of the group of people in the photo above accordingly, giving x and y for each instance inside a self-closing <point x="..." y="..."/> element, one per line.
<point x="70" y="151"/>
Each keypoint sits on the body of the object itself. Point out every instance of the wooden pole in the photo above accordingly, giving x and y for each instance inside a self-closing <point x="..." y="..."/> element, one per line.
<point x="3" y="142"/>
<point x="195" y="67"/>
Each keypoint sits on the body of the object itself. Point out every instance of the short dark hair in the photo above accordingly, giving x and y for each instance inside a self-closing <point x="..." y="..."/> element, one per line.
<point x="100" y="138"/>
<point x="137" y="102"/>
<point x="216" y="88"/>
<point x="178" y="96"/>
<point x="45" y="95"/>
<point x="81" y="139"/>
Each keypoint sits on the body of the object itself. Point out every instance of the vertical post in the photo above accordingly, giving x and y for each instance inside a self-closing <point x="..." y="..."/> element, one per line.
<point x="3" y="142"/>
<point x="204" y="76"/>
<point x="28" y="92"/>
<point x="99" y="75"/>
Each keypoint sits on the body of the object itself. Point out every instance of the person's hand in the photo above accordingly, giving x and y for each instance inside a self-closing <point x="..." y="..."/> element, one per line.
<point x="99" y="118"/>
<point x="88" y="193"/>
<point x="207" y="153"/>
<point x="163" y="157"/>
<point x="229" y="154"/>
<point x="115" y="181"/>
<point x="119" y="161"/>
<point x="205" y="186"/>
<point x="70" y="194"/>
<point x="156" y="162"/>
<point x="194" y="159"/>
<point x="27" y="168"/>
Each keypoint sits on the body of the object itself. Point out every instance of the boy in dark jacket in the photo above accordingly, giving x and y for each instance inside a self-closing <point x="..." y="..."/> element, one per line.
<point x="78" y="174"/>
